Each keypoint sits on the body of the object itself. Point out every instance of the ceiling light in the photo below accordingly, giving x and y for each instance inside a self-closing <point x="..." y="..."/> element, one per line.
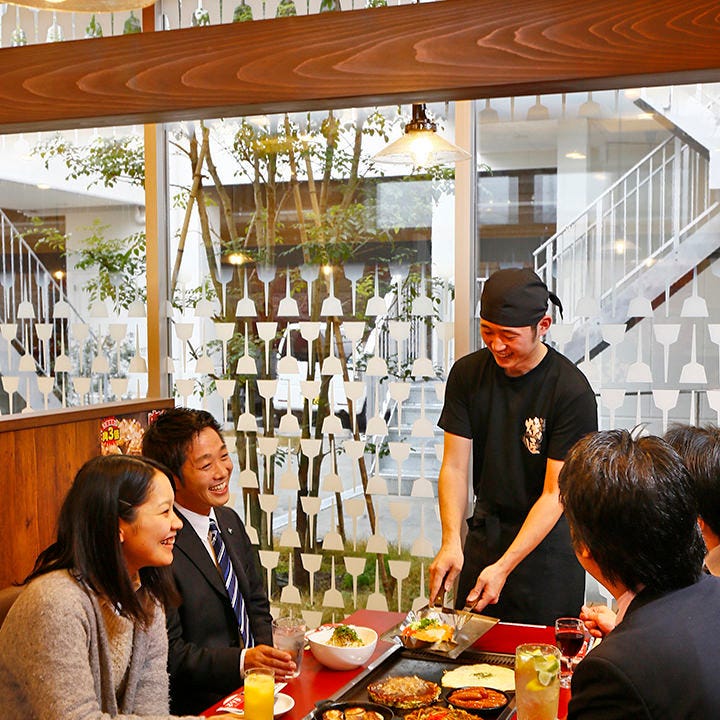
<point x="238" y="258"/>
<point x="421" y="146"/>
<point x="42" y="186"/>
<point x="575" y="155"/>
<point x="538" y="111"/>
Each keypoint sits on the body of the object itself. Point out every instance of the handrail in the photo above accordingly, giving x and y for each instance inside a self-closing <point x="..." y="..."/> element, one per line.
<point x="538" y="251"/>
<point x="29" y="295"/>
<point x="639" y="219"/>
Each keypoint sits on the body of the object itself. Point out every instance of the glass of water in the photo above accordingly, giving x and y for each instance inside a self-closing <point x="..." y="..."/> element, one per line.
<point x="289" y="635"/>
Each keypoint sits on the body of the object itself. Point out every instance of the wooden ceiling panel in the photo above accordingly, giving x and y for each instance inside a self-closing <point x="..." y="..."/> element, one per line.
<point x="457" y="49"/>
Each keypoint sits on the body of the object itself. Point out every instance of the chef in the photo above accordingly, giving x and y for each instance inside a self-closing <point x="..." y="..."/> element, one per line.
<point x="513" y="409"/>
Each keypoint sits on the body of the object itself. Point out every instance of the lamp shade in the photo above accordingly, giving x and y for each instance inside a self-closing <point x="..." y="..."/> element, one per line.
<point x="421" y="145"/>
<point x="538" y="111"/>
<point x="488" y="114"/>
<point x="590" y="109"/>
<point x="87" y="6"/>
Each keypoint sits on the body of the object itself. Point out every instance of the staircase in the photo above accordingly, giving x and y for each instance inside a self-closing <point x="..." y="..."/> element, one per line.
<point x="652" y="226"/>
<point x="693" y="110"/>
<point x="35" y="316"/>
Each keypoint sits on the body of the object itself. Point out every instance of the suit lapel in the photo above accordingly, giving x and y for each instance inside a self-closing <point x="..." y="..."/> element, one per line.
<point x="188" y="542"/>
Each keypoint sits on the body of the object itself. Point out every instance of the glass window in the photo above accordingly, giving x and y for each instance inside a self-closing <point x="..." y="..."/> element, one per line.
<point x="311" y="314"/>
<point x="615" y="203"/>
<point x="72" y="221"/>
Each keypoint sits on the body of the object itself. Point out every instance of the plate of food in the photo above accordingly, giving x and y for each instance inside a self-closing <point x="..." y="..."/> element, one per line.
<point x="404" y="692"/>
<point x="483" y="701"/>
<point x="342" y="647"/>
<point x="444" y="631"/>
<point x="438" y="712"/>
<point x="480" y="675"/>
<point x="328" y="710"/>
<point x="425" y="631"/>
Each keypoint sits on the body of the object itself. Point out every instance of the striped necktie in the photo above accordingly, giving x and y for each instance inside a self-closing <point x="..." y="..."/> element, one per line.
<point x="231" y="584"/>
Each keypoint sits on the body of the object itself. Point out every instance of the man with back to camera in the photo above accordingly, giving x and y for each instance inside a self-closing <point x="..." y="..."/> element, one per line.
<point x="632" y="514"/>
<point x="212" y="640"/>
<point x="516" y="407"/>
<point x="699" y="449"/>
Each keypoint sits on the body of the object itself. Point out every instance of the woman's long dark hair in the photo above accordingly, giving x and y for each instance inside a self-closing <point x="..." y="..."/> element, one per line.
<point x="105" y="490"/>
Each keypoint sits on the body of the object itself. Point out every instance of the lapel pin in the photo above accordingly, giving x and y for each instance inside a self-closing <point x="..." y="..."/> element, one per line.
<point x="229" y="531"/>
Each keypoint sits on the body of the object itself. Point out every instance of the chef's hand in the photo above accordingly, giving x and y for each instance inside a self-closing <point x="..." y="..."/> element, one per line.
<point x="444" y="569"/>
<point x="268" y="657"/>
<point x="487" y="589"/>
<point x="598" y="619"/>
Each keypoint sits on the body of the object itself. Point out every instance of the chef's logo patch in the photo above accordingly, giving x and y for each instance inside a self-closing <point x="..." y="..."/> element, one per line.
<point x="533" y="437"/>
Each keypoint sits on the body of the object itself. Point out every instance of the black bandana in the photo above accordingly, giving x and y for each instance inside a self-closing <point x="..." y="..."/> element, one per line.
<point x="516" y="297"/>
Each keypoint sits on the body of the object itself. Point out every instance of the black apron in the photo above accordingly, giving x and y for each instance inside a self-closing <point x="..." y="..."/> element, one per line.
<point x="549" y="583"/>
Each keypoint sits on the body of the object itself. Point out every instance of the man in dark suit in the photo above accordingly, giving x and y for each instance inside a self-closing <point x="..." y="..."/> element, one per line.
<point x="212" y="640"/>
<point x="632" y="515"/>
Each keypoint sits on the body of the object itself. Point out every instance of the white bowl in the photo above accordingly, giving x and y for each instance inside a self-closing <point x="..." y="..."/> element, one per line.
<point x="342" y="658"/>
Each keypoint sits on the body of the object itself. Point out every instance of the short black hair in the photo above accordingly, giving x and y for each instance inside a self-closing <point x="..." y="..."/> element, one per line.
<point x="169" y="437"/>
<point x="630" y="502"/>
<point x="107" y="489"/>
<point x="699" y="448"/>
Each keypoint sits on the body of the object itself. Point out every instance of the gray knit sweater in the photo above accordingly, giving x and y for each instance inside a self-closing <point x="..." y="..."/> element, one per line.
<point x="55" y="662"/>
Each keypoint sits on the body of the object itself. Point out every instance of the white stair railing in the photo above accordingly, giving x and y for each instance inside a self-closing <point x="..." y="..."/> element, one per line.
<point x="639" y="220"/>
<point x="30" y="295"/>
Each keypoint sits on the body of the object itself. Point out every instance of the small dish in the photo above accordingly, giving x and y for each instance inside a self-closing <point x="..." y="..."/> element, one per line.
<point x="283" y="703"/>
<point x="235" y="704"/>
<point x="483" y="701"/>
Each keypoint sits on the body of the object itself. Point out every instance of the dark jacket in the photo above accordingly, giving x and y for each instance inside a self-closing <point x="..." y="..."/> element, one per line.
<point x="204" y="641"/>
<point x="661" y="661"/>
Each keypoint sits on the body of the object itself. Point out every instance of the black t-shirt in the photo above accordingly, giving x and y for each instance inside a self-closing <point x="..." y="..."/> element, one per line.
<point x="516" y="424"/>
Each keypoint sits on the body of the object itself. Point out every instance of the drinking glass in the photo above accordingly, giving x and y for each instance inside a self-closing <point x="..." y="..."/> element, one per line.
<point x="289" y="635"/>
<point x="537" y="681"/>
<point x="259" y="693"/>
<point x="570" y="635"/>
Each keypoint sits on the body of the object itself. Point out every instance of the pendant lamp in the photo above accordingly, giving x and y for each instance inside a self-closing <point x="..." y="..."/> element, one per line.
<point x="590" y="109"/>
<point x="420" y="145"/>
<point x="87" y="6"/>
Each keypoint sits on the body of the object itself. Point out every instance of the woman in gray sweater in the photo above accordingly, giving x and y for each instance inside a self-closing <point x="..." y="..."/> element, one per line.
<point x="86" y="638"/>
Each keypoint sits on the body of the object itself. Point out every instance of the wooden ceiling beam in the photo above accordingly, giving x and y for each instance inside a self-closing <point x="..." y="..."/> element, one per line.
<point x="457" y="49"/>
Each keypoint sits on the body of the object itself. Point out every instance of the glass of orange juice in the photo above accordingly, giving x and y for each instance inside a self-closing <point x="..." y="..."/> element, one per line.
<point x="259" y="693"/>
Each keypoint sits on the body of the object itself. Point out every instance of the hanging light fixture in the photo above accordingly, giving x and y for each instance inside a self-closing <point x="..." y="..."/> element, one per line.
<point x="589" y="109"/>
<point x="420" y="145"/>
<point x="87" y="6"/>
<point x="488" y="114"/>
<point x="538" y="111"/>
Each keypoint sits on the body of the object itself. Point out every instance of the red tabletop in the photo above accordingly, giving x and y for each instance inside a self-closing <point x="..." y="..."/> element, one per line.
<point x="317" y="682"/>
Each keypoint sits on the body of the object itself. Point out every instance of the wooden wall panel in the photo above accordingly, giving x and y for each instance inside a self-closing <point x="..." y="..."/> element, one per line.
<point x="457" y="49"/>
<point x="40" y="454"/>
